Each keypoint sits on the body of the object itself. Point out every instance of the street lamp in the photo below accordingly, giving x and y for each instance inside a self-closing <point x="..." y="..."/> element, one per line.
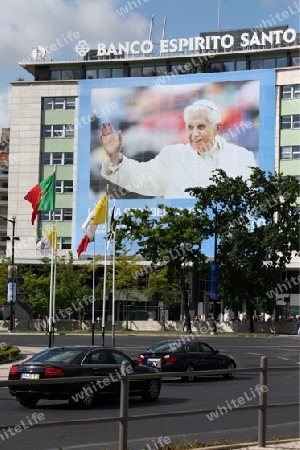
<point x="12" y="275"/>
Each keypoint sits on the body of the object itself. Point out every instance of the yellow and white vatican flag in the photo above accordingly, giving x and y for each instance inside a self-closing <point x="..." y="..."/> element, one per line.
<point x="48" y="243"/>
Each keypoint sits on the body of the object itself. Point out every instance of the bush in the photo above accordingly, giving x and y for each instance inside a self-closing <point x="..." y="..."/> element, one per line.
<point x="8" y="353"/>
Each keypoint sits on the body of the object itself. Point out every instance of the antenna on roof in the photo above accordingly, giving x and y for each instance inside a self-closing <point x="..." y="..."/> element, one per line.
<point x="151" y="28"/>
<point x="164" y="29"/>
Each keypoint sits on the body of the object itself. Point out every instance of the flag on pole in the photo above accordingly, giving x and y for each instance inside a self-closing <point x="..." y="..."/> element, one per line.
<point x="112" y="227"/>
<point x="42" y="196"/>
<point x="48" y="242"/>
<point x="97" y="216"/>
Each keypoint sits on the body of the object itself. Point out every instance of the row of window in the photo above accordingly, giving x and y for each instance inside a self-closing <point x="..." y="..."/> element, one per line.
<point x="58" y="103"/>
<point x="120" y="72"/>
<point x="60" y="214"/>
<point x="290" y="152"/>
<point x="64" y="243"/>
<point x="57" y="158"/>
<point x="58" y="131"/>
<point x="291" y="122"/>
<point x="290" y="91"/>
<point x="63" y="186"/>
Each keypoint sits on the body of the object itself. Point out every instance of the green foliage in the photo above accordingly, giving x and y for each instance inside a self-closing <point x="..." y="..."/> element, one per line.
<point x="257" y="226"/>
<point x="9" y="354"/>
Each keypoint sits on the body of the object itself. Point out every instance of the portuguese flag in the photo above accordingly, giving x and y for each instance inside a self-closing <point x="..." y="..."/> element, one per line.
<point x="42" y="196"/>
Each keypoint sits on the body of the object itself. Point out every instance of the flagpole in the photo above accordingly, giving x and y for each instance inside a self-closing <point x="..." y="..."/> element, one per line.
<point x="104" y="278"/>
<point x="113" y="327"/>
<point x="93" y="304"/>
<point x="219" y="14"/>
<point x="52" y="283"/>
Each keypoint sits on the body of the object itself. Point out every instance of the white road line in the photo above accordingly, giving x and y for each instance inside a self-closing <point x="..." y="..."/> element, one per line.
<point x="258" y="354"/>
<point x="281" y="357"/>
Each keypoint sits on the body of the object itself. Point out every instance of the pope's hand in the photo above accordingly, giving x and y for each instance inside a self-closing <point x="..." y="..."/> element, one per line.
<point x="111" y="142"/>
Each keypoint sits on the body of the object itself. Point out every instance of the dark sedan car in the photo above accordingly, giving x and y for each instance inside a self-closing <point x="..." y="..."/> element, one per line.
<point x="79" y="361"/>
<point x="181" y="355"/>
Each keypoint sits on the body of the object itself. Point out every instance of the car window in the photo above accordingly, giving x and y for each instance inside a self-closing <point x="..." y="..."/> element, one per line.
<point x="193" y="347"/>
<point x="56" y="355"/>
<point x="98" y="357"/>
<point x="206" y="348"/>
<point x="169" y="346"/>
<point x="119" y="357"/>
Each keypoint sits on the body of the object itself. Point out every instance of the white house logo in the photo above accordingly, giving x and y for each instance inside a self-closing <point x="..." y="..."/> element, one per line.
<point x="82" y="48"/>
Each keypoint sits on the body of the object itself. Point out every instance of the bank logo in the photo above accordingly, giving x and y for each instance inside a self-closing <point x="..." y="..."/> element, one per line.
<point x="82" y="48"/>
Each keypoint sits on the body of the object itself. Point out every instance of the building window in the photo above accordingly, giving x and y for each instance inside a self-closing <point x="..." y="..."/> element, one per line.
<point x="295" y="61"/>
<point x="104" y="73"/>
<point x="58" y="103"/>
<point x="65" y="243"/>
<point x="117" y="73"/>
<point x="58" y="131"/>
<point x="59" y="158"/>
<point x="269" y="63"/>
<point x="290" y="152"/>
<point x="135" y="71"/>
<point x="290" y="91"/>
<point x="240" y="65"/>
<point x="60" y="214"/>
<point x="229" y="66"/>
<point x="91" y="74"/>
<point x="255" y="64"/>
<point x="282" y="62"/>
<point x="64" y="186"/>
<point x="290" y="122"/>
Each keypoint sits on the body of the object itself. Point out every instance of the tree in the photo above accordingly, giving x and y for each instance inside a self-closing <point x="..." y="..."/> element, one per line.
<point x="257" y="226"/>
<point x="172" y="241"/>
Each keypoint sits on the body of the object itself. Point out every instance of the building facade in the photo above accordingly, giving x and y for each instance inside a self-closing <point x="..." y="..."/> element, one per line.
<point x="47" y="124"/>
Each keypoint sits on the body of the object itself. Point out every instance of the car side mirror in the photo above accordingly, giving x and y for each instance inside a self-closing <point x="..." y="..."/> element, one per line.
<point x="216" y="351"/>
<point x="135" y="363"/>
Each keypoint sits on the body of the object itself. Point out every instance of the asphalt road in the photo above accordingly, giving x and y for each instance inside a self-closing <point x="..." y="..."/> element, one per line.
<point x="175" y="396"/>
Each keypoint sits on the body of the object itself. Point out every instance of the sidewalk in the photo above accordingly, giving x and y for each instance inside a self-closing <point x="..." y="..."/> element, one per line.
<point x="26" y="352"/>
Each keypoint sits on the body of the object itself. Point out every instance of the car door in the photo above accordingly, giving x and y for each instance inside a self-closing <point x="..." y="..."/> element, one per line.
<point x="210" y="357"/>
<point x="196" y="356"/>
<point x="100" y="362"/>
<point x="119" y="357"/>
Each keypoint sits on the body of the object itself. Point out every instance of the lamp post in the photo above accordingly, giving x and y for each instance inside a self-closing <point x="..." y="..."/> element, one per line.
<point x="12" y="275"/>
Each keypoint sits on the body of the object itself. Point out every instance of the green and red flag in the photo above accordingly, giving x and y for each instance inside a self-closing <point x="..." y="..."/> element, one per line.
<point x="42" y="196"/>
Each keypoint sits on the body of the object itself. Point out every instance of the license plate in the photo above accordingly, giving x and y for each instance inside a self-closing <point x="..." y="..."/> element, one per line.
<point x="153" y="361"/>
<point x="30" y="376"/>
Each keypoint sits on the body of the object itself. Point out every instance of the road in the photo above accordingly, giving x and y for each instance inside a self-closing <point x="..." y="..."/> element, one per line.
<point x="213" y="393"/>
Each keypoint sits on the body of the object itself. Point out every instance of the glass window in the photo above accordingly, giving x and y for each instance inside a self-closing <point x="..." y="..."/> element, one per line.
<point x="295" y="61"/>
<point x="58" y="214"/>
<point x="69" y="130"/>
<point x="285" y="152"/>
<point x="117" y="73"/>
<point x="296" y="152"/>
<point x="240" y="65"/>
<point x="287" y="91"/>
<point x="68" y="158"/>
<point x="217" y="67"/>
<point x="66" y="243"/>
<point x="45" y="159"/>
<point x="229" y="66"/>
<point x="297" y="91"/>
<point x="296" y="121"/>
<point x="71" y="74"/>
<point x="135" y="71"/>
<point x="55" y="74"/>
<point x="47" y="103"/>
<point x="286" y="122"/>
<point x="67" y="213"/>
<point x="68" y="186"/>
<point x="269" y="63"/>
<point x="59" y="102"/>
<point x="57" y="158"/>
<point x="58" y="186"/>
<point x="70" y="102"/>
<point x="58" y="131"/>
<point x="282" y="62"/>
<point x="104" y="73"/>
<point x="255" y="64"/>
<point x="91" y="74"/>
<point x="149" y="71"/>
<point x="161" y="70"/>
<point x="46" y="131"/>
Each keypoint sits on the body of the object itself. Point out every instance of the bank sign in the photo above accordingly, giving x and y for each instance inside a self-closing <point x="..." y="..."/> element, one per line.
<point x="201" y="43"/>
<point x="160" y="156"/>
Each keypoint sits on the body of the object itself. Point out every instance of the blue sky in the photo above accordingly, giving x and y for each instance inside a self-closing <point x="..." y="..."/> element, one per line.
<point x="25" y="24"/>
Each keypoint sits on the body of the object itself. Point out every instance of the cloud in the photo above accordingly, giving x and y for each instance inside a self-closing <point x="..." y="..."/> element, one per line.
<point x="27" y="24"/>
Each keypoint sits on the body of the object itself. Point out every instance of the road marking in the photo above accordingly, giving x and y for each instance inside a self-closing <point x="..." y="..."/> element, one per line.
<point x="258" y="354"/>
<point x="281" y="357"/>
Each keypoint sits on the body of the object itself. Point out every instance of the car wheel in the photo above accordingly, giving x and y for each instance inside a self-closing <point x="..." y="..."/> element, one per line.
<point x="152" y="390"/>
<point x="230" y="376"/>
<point x="28" y="402"/>
<point x="85" y="397"/>
<point x="190" y="368"/>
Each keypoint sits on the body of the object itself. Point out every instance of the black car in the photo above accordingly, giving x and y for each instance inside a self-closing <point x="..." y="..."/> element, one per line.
<point x="181" y="355"/>
<point x="79" y="361"/>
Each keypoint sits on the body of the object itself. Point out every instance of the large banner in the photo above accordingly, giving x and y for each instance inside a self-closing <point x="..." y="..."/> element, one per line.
<point x="172" y="131"/>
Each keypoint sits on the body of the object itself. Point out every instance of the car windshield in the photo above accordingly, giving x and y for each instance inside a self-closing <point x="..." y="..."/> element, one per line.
<point x="56" y="355"/>
<point x="165" y="346"/>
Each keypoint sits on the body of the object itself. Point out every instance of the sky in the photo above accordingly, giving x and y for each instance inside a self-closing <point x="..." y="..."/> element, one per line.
<point x="62" y="23"/>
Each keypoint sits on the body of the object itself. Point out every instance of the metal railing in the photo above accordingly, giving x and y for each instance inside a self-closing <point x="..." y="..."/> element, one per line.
<point x="124" y="418"/>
